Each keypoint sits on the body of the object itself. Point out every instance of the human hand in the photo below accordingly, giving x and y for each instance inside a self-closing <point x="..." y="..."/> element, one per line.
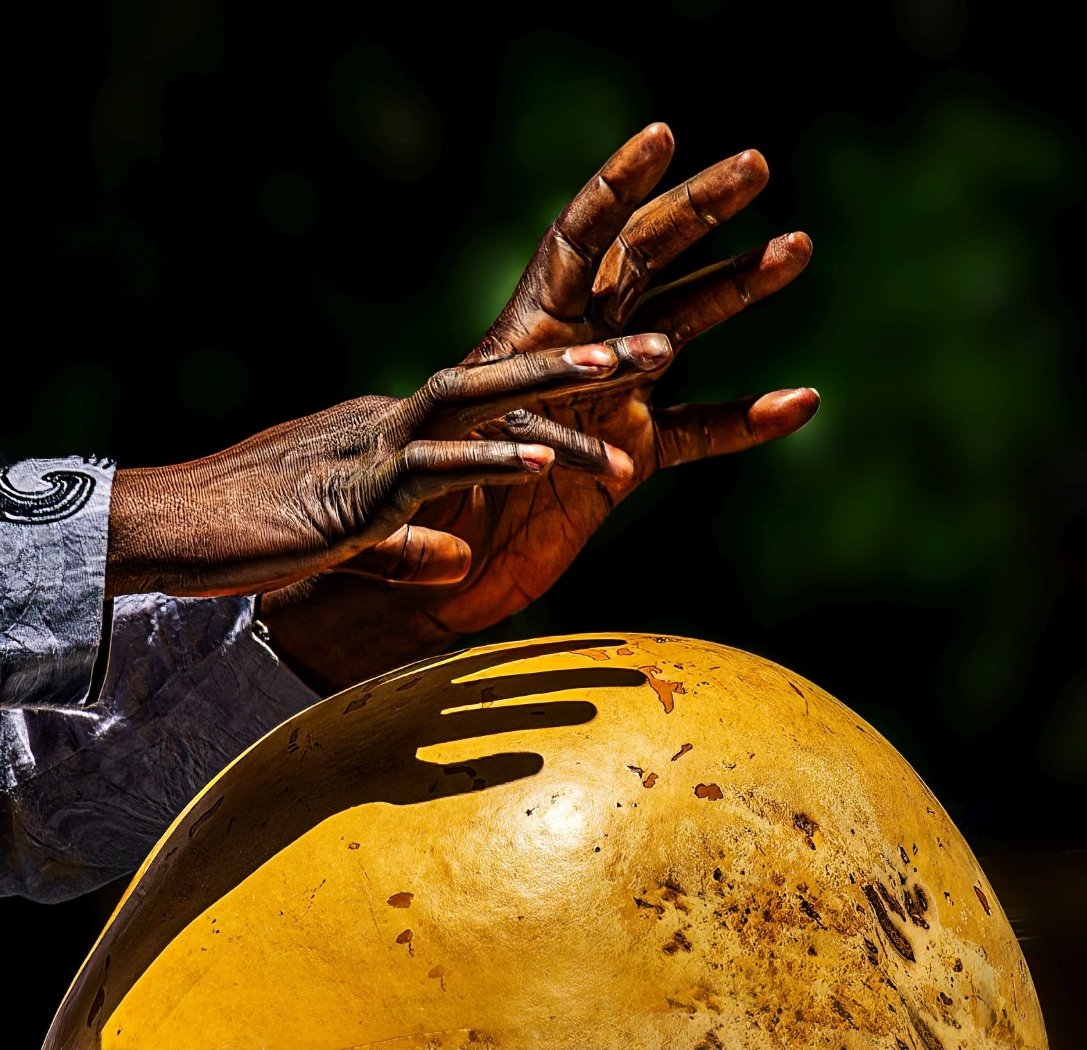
<point x="341" y="485"/>
<point x="590" y="279"/>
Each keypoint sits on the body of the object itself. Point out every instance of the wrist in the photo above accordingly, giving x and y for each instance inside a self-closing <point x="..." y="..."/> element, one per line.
<point x="170" y="531"/>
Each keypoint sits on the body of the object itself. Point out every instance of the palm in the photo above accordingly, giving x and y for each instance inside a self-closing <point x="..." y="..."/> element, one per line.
<point x="588" y="281"/>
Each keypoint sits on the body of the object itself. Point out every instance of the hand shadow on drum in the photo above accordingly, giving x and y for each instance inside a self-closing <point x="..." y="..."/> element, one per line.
<point x="359" y="746"/>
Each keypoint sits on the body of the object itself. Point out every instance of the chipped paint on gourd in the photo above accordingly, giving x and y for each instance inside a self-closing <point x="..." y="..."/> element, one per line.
<point x="591" y="841"/>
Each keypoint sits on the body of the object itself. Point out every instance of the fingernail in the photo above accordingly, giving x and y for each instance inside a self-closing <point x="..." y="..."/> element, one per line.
<point x="536" y="457"/>
<point x="595" y="358"/>
<point x="648" y="350"/>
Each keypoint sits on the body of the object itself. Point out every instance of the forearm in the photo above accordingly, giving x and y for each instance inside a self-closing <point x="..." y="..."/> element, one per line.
<point x="197" y="529"/>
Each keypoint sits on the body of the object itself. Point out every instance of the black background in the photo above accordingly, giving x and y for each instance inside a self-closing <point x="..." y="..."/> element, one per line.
<point x="223" y="216"/>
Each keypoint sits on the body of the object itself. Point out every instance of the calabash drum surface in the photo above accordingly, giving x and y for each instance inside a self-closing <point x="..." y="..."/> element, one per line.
<point x="577" y="843"/>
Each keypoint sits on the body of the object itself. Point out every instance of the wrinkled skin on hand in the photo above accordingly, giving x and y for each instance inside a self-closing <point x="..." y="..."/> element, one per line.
<point x="590" y="279"/>
<point x="341" y="485"/>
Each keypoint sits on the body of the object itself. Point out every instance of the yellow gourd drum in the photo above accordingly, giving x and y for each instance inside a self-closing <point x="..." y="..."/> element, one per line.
<point x="569" y="843"/>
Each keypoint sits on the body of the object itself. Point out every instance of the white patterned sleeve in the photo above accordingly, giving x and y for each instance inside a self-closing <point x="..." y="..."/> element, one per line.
<point x="112" y="715"/>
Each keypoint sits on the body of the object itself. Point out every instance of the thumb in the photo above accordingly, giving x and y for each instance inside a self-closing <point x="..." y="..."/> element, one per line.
<point x="413" y="554"/>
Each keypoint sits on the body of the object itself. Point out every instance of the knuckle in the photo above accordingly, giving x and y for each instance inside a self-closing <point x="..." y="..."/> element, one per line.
<point x="519" y="421"/>
<point x="413" y="458"/>
<point x="441" y="386"/>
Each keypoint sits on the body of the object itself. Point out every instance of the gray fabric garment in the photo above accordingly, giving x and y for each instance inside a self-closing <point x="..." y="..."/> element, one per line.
<point x="92" y="775"/>
<point x="53" y="522"/>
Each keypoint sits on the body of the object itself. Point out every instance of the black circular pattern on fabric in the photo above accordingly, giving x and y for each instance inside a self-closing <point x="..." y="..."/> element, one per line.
<point x="66" y="495"/>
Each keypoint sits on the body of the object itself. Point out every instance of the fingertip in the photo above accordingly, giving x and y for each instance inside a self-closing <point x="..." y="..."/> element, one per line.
<point x="457" y="563"/>
<point x="799" y="243"/>
<point x="752" y="168"/>
<point x="653" y="147"/>
<point x="658" y="134"/>
<point x="807" y="402"/>
<point x="434" y="558"/>
<point x="413" y="554"/>
<point x="802" y="402"/>
<point x="620" y="465"/>
<point x="782" y="412"/>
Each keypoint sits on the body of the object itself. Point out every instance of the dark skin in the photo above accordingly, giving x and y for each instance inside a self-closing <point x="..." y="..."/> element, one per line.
<point x="383" y="530"/>
<point x="341" y="485"/>
<point x="591" y="278"/>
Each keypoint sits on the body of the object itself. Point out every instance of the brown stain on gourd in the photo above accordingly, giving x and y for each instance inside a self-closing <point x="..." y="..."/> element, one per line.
<point x="665" y="690"/>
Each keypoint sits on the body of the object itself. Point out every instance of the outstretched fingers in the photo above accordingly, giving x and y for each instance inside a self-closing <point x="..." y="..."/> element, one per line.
<point x="561" y="272"/>
<point x="665" y="227"/>
<point x="601" y="208"/>
<point x="688" y="307"/>
<point x="690" y="432"/>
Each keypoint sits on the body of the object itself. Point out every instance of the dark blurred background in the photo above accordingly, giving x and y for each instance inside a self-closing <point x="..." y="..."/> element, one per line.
<point x="225" y="215"/>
